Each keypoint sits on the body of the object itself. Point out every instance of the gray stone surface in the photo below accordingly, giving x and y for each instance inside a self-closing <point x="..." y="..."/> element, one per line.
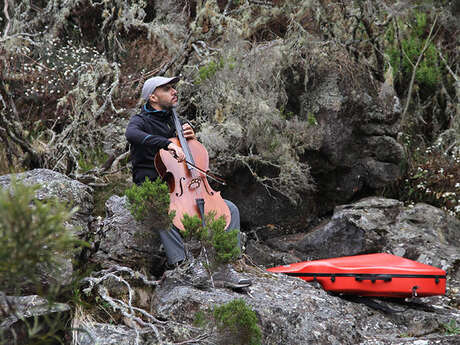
<point x="123" y="241"/>
<point x="65" y="189"/>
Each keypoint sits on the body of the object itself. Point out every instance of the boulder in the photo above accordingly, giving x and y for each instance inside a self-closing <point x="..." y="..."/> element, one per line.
<point x="68" y="191"/>
<point x="65" y="189"/>
<point x="19" y="310"/>
<point x="420" y="232"/>
<point x="291" y="311"/>
<point x="121" y="240"/>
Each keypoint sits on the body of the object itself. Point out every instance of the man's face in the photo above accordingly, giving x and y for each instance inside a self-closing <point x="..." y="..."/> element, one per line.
<point x="164" y="97"/>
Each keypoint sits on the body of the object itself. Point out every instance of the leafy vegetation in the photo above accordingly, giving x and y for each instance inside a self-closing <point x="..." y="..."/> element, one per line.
<point x="240" y="321"/>
<point x="224" y="244"/>
<point x="451" y="328"/>
<point x="91" y="159"/>
<point x="33" y="236"/>
<point x="149" y="203"/>
<point x="404" y="56"/>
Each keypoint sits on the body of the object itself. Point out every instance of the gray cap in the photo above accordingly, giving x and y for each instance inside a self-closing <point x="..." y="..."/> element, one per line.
<point x="151" y="84"/>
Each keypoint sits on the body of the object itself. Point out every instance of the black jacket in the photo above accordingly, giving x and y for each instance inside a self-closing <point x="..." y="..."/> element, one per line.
<point x="147" y="133"/>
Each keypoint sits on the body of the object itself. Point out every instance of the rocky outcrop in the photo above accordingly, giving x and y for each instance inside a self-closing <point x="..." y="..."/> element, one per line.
<point x="56" y="185"/>
<point x="291" y="311"/>
<point x="72" y="193"/>
<point x="288" y="310"/>
<point x="123" y="241"/>
<point x="359" y="150"/>
<point x="421" y="232"/>
<point x="357" y="153"/>
<point x="18" y="313"/>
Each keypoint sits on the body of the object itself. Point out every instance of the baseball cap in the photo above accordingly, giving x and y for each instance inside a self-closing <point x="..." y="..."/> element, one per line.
<point x="152" y="83"/>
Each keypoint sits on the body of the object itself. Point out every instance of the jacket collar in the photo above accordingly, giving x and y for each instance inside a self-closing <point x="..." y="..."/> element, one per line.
<point x="146" y="108"/>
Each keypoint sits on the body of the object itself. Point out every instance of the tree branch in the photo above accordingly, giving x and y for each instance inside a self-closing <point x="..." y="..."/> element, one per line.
<point x="7" y="16"/>
<point x="411" y="85"/>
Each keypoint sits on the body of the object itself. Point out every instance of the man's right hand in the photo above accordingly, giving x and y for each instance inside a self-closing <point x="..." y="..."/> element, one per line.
<point x="176" y="151"/>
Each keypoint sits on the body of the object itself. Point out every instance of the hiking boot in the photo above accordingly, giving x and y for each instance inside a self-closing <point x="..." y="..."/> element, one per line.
<point x="227" y="277"/>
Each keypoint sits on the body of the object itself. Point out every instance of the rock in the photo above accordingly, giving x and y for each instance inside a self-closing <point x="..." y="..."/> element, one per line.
<point x="339" y="237"/>
<point x="19" y="309"/>
<point x="112" y="132"/>
<point x="123" y="241"/>
<point x="266" y="256"/>
<point x="57" y="185"/>
<point x="357" y="153"/>
<point x="106" y="334"/>
<point x="421" y="233"/>
<point x="73" y="193"/>
<point x="352" y="159"/>
<point x="291" y="311"/>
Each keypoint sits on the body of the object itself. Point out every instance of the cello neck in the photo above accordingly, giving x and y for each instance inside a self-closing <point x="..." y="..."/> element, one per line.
<point x="182" y="140"/>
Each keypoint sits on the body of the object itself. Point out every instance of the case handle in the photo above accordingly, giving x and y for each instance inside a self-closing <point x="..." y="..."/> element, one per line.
<point x="374" y="278"/>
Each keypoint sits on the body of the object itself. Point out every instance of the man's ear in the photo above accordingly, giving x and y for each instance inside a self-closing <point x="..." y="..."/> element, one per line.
<point x="153" y="99"/>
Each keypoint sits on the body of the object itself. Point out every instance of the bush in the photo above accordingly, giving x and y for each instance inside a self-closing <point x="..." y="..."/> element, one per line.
<point x="223" y="244"/>
<point x="433" y="178"/>
<point x="32" y="233"/>
<point x="240" y="321"/>
<point x="428" y="74"/>
<point x="149" y="203"/>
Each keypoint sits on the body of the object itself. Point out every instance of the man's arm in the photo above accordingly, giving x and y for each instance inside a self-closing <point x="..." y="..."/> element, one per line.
<point x="136" y="135"/>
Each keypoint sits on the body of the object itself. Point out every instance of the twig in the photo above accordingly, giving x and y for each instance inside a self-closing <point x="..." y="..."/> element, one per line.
<point x="193" y="341"/>
<point x="7" y="16"/>
<point x="411" y="85"/>
<point x="454" y="75"/>
<point x="229" y="2"/>
<point x="179" y="54"/>
<point x="118" y="159"/>
<point x="125" y="308"/>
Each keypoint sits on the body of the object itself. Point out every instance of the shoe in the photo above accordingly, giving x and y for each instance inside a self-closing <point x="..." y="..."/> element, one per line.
<point x="227" y="277"/>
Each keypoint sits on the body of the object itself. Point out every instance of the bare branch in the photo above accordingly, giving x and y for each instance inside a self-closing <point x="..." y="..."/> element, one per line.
<point x="7" y="16"/>
<point x="118" y="159"/>
<point x="411" y="85"/>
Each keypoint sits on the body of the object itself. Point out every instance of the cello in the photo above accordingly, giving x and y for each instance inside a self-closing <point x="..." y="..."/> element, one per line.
<point x="189" y="189"/>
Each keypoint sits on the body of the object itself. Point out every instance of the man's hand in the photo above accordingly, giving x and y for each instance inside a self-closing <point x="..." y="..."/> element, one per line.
<point x="188" y="131"/>
<point x="176" y="151"/>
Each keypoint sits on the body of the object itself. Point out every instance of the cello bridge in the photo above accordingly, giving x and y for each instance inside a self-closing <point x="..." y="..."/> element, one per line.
<point x="194" y="183"/>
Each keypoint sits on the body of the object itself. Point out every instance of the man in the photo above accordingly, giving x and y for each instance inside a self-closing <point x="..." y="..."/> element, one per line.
<point x="148" y="132"/>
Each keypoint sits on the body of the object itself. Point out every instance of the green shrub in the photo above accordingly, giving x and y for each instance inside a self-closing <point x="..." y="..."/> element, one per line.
<point x="428" y="74"/>
<point x="194" y="228"/>
<point x="241" y="321"/>
<point x="209" y="70"/>
<point x="149" y="203"/>
<point x="200" y="320"/>
<point x="91" y="159"/>
<point x="213" y="235"/>
<point x="224" y="242"/>
<point x="32" y="232"/>
<point x="451" y="328"/>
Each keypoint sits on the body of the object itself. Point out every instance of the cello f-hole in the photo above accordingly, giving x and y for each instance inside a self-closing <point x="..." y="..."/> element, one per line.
<point x="181" y="187"/>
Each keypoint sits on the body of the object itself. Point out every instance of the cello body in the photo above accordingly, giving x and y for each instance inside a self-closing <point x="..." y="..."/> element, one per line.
<point x="189" y="189"/>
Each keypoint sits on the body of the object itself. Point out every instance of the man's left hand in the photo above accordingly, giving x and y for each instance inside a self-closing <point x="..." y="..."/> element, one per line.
<point x="188" y="131"/>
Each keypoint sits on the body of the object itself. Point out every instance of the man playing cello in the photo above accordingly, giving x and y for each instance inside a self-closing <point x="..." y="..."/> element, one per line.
<point x="148" y="132"/>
